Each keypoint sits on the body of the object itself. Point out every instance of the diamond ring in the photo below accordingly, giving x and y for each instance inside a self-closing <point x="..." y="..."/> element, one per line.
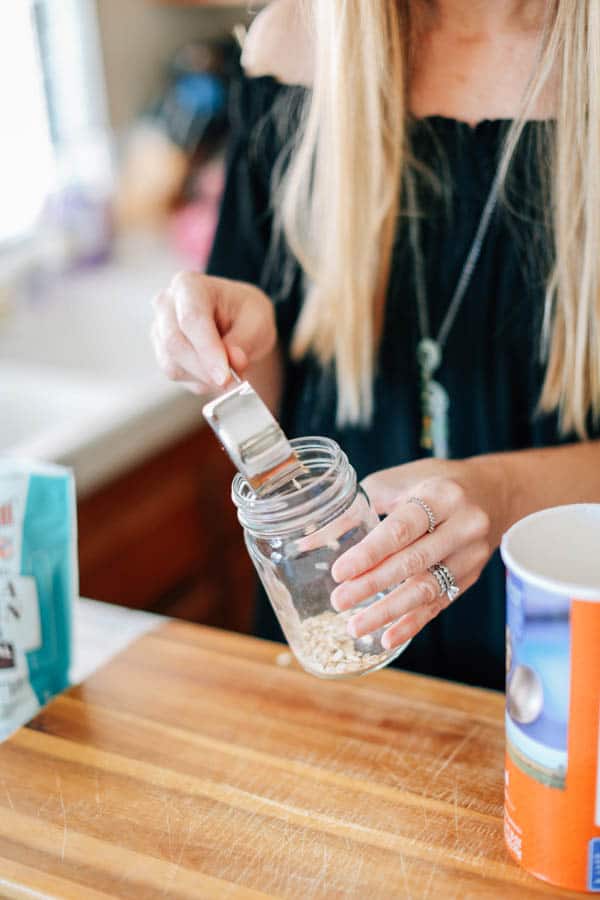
<point x="446" y="581"/>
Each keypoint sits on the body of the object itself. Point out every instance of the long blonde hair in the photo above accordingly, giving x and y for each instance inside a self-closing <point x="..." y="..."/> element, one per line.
<point x="340" y="197"/>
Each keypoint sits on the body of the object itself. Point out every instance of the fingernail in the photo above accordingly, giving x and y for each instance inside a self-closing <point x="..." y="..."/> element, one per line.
<point x="353" y="628"/>
<point x="342" y="570"/>
<point x="386" y="641"/>
<point x="219" y="375"/>
<point x="240" y="356"/>
<point x="389" y="643"/>
<point x="336" y="600"/>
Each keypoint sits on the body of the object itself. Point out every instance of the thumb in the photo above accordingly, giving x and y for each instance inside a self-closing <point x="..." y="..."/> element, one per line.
<point x="238" y="360"/>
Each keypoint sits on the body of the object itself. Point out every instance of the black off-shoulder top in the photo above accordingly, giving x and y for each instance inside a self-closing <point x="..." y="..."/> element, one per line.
<point x="491" y="365"/>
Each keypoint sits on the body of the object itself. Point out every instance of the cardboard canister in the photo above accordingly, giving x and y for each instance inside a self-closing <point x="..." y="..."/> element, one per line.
<point x="552" y="776"/>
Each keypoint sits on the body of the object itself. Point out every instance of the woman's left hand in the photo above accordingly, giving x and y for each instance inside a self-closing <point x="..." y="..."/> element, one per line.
<point x="468" y="501"/>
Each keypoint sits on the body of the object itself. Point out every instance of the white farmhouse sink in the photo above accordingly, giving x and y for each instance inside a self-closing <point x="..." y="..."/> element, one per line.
<point x="78" y="381"/>
<point x="42" y="410"/>
<point x="97" y="321"/>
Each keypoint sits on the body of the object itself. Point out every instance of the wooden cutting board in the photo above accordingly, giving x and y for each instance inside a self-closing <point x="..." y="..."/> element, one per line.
<point x="204" y="764"/>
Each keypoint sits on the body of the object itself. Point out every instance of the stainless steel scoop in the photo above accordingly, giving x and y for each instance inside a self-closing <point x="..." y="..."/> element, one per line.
<point x="252" y="437"/>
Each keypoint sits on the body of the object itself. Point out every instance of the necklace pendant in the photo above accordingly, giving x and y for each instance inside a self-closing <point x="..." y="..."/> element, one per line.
<point x="439" y="403"/>
<point x="434" y="401"/>
<point x="429" y="356"/>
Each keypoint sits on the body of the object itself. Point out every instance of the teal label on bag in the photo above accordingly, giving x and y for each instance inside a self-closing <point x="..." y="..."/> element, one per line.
<point x="37" y="587"/>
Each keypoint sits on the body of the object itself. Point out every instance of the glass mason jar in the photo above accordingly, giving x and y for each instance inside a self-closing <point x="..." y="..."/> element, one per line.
<point x="293" y="536"/>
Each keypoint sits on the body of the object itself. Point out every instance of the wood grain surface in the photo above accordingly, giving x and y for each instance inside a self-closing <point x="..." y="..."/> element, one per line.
<point x="203" y="764"/>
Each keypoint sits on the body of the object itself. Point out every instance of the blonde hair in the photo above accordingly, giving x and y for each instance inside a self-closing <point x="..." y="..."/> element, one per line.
<point x="340" y="197"/>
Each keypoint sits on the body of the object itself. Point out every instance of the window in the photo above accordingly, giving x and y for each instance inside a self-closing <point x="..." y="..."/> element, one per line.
<point x="26" y="159"/>
<point x="52" y="102"/>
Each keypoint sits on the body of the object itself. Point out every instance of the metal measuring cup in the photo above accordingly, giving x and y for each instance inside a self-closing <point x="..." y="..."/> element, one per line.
<point x="252" y="437"/>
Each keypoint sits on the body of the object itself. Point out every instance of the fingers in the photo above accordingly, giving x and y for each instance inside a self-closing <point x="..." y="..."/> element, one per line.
<point x="416" y="558"/>
<point x="252" y="329"/>
<point x="405" y="523"/>
<point x="389" y="487"/>
<point x="400" y="551"/>
<point x="204" y="325"/>
<point x="403" y="526"/>
<point x="194" y="303"/>
<point x="333" y="532"/>
<point x="411" y="623"/>
<point x="421" y="590"/>
<point x="384" y="490"/>
<point x="238" y="358"/>
<point x="175" y="355"/>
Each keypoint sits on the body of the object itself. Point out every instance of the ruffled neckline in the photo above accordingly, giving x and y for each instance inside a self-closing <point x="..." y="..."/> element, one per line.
<point x="484" y="125"/>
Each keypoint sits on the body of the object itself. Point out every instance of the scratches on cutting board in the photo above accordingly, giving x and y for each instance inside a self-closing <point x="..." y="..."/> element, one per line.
<point x="452" y="755"/>
<point x="182" y="819"/>
<point x="8" y="794"/>
<point x="171" y="875"/>
<point x="427" y="889"/>
<point x="407" y="892"/>
<point x="169" y="835"/>
<point x="455" y="809"/>
<point x="64" y="818"/>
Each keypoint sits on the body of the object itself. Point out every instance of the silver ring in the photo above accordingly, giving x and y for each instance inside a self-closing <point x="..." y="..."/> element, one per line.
<point x="437" y="574"/>
<point x="453" y="589"/>
<point x="446" y="581"/>
<point x="431" y="519"/>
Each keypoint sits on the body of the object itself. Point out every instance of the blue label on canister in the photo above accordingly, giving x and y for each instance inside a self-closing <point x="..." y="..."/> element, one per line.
<point x="594" y="865"/>
<point x="537" y="681"/>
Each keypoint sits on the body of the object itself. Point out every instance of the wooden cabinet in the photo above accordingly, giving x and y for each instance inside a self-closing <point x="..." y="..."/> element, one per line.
<point x="165" y="537"/>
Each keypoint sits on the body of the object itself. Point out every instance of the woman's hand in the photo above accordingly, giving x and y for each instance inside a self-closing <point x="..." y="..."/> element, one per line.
<point x="467" y="498"/>
<point x="204" y="325"/>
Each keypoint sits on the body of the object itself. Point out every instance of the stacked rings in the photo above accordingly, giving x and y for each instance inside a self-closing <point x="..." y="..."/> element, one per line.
<point x="446" y="581"/>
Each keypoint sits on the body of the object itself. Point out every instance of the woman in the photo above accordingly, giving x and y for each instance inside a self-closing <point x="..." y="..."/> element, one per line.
<point x="442" y="209"/>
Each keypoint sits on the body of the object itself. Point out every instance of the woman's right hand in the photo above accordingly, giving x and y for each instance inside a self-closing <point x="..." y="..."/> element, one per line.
<point x="203" y="326"/>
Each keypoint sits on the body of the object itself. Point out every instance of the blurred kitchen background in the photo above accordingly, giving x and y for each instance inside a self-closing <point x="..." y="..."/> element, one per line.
<point x="114" y="125"/>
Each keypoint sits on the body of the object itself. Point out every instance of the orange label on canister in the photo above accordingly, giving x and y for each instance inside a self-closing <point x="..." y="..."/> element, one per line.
<point x="552" y="781"/>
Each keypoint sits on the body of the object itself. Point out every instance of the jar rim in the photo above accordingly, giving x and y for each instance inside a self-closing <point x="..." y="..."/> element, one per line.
<point x="277" y="512"/>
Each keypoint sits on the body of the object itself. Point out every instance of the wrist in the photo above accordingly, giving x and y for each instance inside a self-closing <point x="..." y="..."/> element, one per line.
<point x="500" y="491"/>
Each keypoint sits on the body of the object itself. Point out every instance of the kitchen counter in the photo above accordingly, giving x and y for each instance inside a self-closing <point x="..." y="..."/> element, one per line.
<point x="198" y="763"/>
<point x="79" y="384"/>
<point x="101" y="630"/>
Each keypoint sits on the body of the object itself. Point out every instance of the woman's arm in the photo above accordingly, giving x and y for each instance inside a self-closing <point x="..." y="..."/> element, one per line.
<point x="551" y="476"/>
<point x="474" y="501"/>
